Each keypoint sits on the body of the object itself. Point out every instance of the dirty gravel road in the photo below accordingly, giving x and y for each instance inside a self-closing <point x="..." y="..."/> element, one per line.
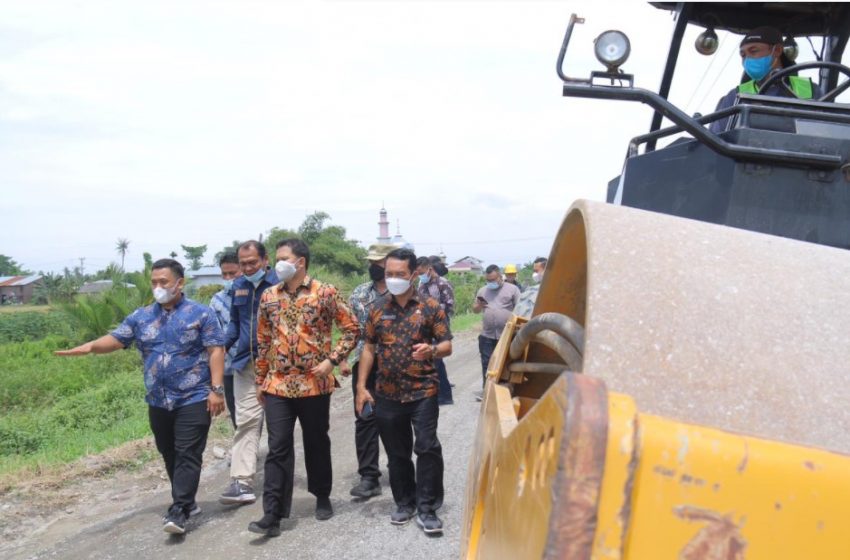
<point x="119" y="516"/>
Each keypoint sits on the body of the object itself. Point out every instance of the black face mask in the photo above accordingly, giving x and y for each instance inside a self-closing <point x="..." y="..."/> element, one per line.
<point x="376" y="272"/>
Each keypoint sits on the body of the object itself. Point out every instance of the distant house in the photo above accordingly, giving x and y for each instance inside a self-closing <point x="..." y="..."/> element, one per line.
<point x="100" y="286"/>
<point x="468" y="264"/>
<point x="18" y="289"/>
<point x="204" y="276"/>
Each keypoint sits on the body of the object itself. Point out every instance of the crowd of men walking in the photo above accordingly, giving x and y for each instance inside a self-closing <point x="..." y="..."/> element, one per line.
<point x="264" y="349"/>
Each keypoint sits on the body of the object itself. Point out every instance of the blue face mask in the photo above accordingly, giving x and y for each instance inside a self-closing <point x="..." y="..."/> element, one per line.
<point x="423" y="278"/>
<point x="257" y="276"/>
<point x="227" y="284"/>
<point x="758" y="68"/>
<point x="492" y="285"/>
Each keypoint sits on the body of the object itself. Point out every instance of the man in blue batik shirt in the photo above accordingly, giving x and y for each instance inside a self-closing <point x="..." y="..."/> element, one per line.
<point x="182" y="349"/>
<point x="220" y="304"/>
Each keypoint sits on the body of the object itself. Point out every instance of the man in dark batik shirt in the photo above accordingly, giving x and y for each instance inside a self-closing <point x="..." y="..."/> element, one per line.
<point x="406" y="334"/>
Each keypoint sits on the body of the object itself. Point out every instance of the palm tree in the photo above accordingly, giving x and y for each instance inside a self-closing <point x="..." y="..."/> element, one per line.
<point x="121" y="248"/>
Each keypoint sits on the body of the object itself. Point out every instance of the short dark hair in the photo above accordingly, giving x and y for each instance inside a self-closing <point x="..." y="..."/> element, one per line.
<point x="175" y="266"/>
<point x="402" y="254"/>
<point x="299" y="248"/>
<point x="253" y="244"/>
<point x="423" y="261"/>
<point x="492" y="268"/>
<point x="541" y="260"/>
<point x="438" y="265"/>
<point x="229" y="257"/>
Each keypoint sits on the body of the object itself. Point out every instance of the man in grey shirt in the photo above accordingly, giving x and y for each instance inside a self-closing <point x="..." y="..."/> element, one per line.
<point x="497" y="300"/>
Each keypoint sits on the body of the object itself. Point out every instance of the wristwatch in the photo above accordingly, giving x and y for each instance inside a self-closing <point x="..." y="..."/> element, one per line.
<point x="433" y="351"/>
<point x="217" y="389"/>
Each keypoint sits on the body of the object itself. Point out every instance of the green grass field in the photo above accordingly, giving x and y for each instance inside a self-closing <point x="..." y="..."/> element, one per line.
<point x="24" y="308"/>
<point x="465" y="322"/>
<point x="58" y="409"/>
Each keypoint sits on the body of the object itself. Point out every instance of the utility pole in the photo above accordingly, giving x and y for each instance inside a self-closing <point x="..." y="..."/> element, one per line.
<point x="82" y="266"/>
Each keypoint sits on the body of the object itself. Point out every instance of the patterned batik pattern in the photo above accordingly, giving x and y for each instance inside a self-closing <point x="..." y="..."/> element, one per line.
<point x="173" y="344"/>
<point x="394" y="330"/>
<point x="294" y="335"/>
<point x="440" y="289"/>
<point x="362" y="300"/>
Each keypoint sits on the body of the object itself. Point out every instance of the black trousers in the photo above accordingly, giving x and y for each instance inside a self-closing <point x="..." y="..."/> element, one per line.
<point x="485" y="348"/>
<point x="313" y="413"/>
<point x="229" y="398"/>
<point x="366" y="436"/>
<point x="181" y="436"/>
<point x="412" y="428"/>
<point x="444" y="396"/>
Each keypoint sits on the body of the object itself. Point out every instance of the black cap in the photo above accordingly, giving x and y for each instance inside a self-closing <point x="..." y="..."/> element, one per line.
<point x="769" y="35"/>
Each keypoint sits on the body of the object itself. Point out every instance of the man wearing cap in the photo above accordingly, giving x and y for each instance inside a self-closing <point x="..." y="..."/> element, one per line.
<point x="510" y="276"/>
<point x="762" y="55"/>
<point x="366" y="437"/>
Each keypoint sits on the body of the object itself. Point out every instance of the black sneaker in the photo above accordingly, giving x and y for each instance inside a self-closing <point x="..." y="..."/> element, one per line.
<point x="366" y="488"/>
<point x="238" y="493"/>
<point x="175" y="523"/>
<point x="193" y="511"/>
<point x="269" y="526"/>
<point x="402" y="515"/>
<point x="430" y="523"/>
<point x="324" y="509"/>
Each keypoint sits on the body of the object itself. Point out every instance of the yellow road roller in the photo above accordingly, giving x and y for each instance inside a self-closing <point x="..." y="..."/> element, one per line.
<point x="682" y="388"/>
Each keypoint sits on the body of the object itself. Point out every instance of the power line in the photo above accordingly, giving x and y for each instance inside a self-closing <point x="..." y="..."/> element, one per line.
<point x="488" y="241"/>
<point x="707" y="71"/>
<point x="709" y="90"/>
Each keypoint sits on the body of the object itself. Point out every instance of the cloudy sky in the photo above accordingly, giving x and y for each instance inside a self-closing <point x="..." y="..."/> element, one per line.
<point x="172" y="123"/>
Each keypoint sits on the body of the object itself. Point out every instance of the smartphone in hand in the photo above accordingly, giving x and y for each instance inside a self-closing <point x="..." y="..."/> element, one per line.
<point x="481" y="301"/>
<point x="367" y="411"/>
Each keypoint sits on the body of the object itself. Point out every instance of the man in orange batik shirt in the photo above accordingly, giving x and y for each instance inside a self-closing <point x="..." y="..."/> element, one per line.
<point x="294" y="375"/>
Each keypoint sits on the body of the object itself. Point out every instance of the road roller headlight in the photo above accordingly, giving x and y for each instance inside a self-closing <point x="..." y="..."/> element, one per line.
<point x="790" y="48"/>
<point x="612" y="49"/>
<point x="707" y="42"/>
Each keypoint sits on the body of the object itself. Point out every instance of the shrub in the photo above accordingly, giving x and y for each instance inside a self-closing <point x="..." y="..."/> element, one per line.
<point x="32" y="325"/>
<point x="33" y="376"/>
<point x="19" y="436"/>
<point x="205" y="293"/>
<point x="465" y="286"/>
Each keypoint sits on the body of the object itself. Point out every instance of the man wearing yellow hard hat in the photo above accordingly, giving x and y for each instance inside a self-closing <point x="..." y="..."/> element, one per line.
<point x="510" y="276"/>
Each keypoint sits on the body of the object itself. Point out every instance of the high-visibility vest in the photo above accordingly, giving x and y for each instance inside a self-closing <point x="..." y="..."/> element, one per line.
<point x="801" y="87"/>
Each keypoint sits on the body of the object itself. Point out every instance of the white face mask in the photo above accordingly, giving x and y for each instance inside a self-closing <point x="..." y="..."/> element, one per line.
<point x="285" y="270"/>
<point x="536" y="277"/>
<point x="397" y="286"/>
<point x="164" y="295"/>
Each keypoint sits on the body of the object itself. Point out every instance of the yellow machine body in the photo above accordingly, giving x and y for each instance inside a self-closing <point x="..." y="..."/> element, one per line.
<point x="707" y="419"/>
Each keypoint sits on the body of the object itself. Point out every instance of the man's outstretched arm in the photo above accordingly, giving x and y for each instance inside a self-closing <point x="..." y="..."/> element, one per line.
<point x="103" y="345"/>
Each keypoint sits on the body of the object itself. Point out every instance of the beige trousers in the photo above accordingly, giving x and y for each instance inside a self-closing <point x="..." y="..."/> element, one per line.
<point x="249" y="426"/>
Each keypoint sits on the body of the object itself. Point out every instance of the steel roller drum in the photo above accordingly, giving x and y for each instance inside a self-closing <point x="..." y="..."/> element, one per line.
<point x="708" y="324"/>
